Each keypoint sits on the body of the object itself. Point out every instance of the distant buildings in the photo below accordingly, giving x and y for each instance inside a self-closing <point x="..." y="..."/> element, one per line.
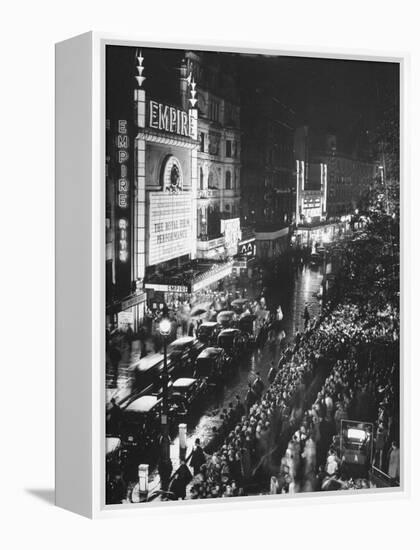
<point x="268" y="171"/>
<point x="349" y="177"/>
<point x="340" y="179"/>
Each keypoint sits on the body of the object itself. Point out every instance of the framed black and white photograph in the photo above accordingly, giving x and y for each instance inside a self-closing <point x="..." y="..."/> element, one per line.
<point x="237" y="260"/>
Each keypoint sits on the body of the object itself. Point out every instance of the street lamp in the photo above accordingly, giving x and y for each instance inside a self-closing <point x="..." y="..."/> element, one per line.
<point x="165" y="330"/>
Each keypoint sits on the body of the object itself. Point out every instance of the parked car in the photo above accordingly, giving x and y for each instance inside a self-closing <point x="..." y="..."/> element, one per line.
<point x="239" y="305"/>
<point x="227" y="318"/>
<point x="208" y="331"/>
<point x="147" y="373"/>
<point x="140" y="425"/>
<point x="231" y="341"/>
<point x="211" y="365"/>
<point x="247" y="326"/>
<point x="184" y="394"/>
<point x="183" y="352"/>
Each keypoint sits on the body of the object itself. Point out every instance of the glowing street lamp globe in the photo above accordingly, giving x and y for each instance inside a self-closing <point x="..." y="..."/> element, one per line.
<point x="165" y="327"/>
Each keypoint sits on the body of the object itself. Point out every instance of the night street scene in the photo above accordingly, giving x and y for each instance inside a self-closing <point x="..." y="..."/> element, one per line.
<point x="252" y="275"/>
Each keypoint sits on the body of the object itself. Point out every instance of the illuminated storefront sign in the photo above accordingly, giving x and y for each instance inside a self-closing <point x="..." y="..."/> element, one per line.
<point x="125" y="319"/>
<point x="247" y="248"/>
<point x="232" y="231"/>
<point x="312" y="207"/>
<point x="123" y="157"/>
<point x="123" y="239"/>
<point x="123" y="189"/>
<point x="167" y="288"/>
<point x="169" y="226"/>
<point x="170" y="119"/>
<point x="134" y="300"/>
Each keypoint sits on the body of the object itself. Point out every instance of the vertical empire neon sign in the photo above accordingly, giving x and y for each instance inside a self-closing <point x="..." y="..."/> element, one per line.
<point x="123" y="190"/>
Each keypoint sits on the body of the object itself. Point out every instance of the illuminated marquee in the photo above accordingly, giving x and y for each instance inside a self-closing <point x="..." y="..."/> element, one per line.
<point x="170" y="119"/>
<point x="312" y="204"/>
<point x="169" y="226"/>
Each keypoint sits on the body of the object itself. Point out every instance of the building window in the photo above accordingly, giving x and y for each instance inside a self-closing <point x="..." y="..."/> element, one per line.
<point x="228" y="148"/>
<point x="214" y="140"/>
<point x="212" y="182"/>
<point x="214" y="110"/>
<point x="202" y="141"/>
<point x="228" y="180"/>
<point x="201" y="178"/>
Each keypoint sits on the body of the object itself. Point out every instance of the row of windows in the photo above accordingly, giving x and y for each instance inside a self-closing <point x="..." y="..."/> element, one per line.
<point x="231" y="150"/>
<point x="212" y="181"/>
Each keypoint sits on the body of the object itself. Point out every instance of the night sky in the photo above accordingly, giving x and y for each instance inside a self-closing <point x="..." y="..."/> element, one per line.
<point x="348" y="98"/>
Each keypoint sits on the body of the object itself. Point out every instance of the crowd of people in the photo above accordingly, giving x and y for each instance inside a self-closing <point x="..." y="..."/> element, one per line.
<point x="288" y="438"/>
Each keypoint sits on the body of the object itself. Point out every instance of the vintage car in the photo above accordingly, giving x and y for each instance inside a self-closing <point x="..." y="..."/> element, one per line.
<point x="227" y="318"/>
<point x="315" y="259"/>
<point x="140" y="422"/>
<point x="356" y="447"/>
<point x="147" y="373"/>
<point x="231" y="341"/>
<point x="211" y="365"/>
<point x="184" y="394"/>
<point x="207" y="332"/>
<point x="248" y="326"/>
<point x="239" y="305"/>
<point x="183" y="352"/>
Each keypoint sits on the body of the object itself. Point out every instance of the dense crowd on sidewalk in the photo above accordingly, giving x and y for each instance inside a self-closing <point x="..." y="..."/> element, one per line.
<point x="344" y="365"/>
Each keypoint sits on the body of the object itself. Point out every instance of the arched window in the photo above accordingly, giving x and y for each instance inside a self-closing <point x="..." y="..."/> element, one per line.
<point x="212" y="180"/>
<point x="228" y="180"/>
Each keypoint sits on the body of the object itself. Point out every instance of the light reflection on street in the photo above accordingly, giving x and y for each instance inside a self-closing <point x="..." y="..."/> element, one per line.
<point x="305" y="288"/>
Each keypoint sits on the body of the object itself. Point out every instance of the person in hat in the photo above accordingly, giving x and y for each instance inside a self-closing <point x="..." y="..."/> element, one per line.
<point x="272" y="373"/>
<point x="197" y="457"/>
<point x="251" y="397"/>
<point x="258" y="385"/>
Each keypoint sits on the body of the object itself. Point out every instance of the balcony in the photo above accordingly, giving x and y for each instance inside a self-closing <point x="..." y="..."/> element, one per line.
<point x="208" y="193"/>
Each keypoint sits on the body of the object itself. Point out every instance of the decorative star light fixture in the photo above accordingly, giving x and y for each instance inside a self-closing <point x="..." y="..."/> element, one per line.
<point x="140" y="78"/>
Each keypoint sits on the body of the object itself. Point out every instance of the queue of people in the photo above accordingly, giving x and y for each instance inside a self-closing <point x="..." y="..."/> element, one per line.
<point x="288" y="439"/>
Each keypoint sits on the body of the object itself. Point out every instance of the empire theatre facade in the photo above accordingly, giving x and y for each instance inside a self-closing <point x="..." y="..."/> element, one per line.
<point x="152" y="170"/>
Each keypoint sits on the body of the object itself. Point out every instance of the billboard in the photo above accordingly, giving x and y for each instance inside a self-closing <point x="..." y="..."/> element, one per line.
<point x="169" y="226"/>
<point x="231" y="229"/>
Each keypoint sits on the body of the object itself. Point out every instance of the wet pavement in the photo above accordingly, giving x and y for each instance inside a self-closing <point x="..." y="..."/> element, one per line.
<point x="301" y="290"/>
<point x="292" y="292"/>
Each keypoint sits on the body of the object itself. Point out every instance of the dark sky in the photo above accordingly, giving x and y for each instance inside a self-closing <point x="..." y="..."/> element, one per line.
<point x="343" y="97"/>
<point x="348" y="98"/>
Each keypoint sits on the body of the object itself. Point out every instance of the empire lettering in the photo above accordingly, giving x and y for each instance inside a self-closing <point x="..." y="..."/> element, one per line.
<point x="169" y="119"/>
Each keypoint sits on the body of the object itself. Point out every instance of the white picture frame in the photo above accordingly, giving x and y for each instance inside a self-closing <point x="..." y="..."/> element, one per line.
<point x="80" y="278"/>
